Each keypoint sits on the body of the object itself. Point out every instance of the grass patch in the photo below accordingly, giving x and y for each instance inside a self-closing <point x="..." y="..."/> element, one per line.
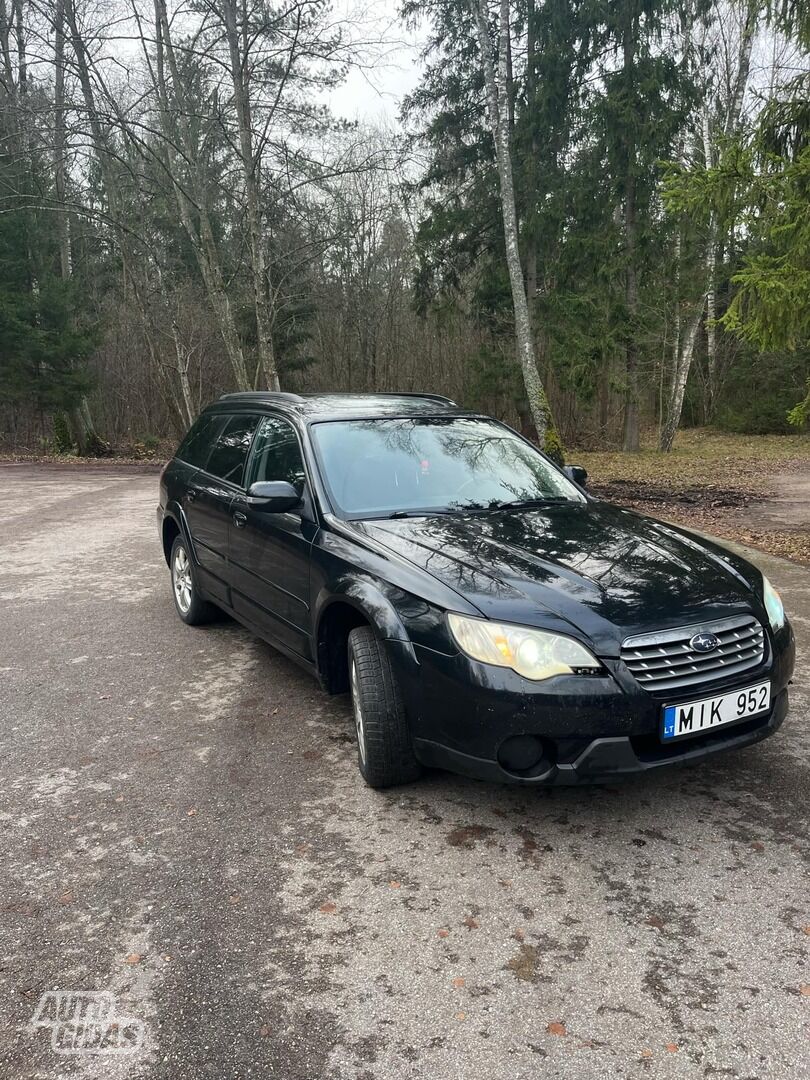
<point x="712" y="482"/>
<point x="702" y="457"/>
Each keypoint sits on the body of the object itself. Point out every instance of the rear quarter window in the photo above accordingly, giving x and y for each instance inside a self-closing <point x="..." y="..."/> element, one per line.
<point x="202" y="434"/>
<point x="230" y="452"/>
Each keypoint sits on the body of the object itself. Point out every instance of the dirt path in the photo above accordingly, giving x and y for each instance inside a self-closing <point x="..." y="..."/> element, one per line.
<point x="777" y="523"/>
<point x="789" y="507"/>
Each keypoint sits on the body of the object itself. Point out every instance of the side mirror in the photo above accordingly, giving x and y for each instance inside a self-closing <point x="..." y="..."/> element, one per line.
<point x="577" y="474"/>
<point x="272" y="496"/>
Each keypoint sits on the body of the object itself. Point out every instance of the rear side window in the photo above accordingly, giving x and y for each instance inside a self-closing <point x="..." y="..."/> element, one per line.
<point x="230" y="452"/>
<point x="196" y="446"/>
<point x="276" y="454"/>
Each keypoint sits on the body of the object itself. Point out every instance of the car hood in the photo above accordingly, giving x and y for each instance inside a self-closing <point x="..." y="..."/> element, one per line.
<point x="604" y="570"/>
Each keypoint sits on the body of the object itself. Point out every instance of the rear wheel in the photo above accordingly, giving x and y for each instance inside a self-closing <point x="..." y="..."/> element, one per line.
<point x="190" y="606"/>
<point x="384" y="751"/>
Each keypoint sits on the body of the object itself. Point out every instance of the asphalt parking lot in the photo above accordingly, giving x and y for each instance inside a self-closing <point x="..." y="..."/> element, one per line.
<point x="183" y="826"/>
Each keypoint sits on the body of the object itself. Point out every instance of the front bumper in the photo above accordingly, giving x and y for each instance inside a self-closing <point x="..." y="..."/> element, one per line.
<point x="593" y="728"/>
<point x="609" y="758"/>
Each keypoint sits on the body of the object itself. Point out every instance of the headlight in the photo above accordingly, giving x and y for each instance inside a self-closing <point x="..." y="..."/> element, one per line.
<point x="773" y="604"/>
<point x="534" y="654"/>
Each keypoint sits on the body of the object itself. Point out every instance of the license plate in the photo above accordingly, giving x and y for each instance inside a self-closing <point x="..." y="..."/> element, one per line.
<point x="681" y="721"/>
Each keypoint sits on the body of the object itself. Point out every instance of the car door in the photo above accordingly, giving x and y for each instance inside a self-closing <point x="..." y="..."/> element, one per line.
<point x="270" y="553"/>
<point x="209" y="494"/>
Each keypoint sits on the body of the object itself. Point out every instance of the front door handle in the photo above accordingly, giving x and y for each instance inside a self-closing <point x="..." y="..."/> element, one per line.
<point x="240" y="519"/>
<point x="191" y="494"/>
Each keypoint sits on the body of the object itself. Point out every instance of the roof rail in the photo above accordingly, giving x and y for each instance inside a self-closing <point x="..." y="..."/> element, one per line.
<point x="411" y="393"/>
<point x="259" y="395"/>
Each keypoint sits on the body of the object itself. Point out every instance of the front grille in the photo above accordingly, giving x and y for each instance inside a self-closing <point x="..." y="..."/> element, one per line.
<point x="665" y="660"/>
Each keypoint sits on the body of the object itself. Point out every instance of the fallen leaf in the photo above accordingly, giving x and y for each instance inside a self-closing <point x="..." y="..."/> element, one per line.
<point x="458" y="983"/>
<point x="461" y="1016"/>
<point x="167" y="959"/>
<point x="672" y="1047"/>
<point x="119" y="798"/>
<point x="519" y="935"/>
<point x="66" y="897"/>
<point x="395" y="884"/>
<point x="235" y="898"/>
<point x="526" y="963"/>
<point x="264" y="1031"/>
<point x="804" y="989"/>
<point x="443" y="932"/>
<point x="466" y="836"/>
<point x="556" y="1028"/>
<point x="470" y="922"/>
<point x="806" y="929"/>
<point x="757" y="845"/>
<point x="646" y="1053"/>
<point x="328" y="908"/>
<point x="133" y="958"/>
<point x="656" y="921"/>
<point x="191" y="813"/>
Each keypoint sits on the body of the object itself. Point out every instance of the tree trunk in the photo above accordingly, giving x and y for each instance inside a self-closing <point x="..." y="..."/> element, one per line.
<point x="707" y="300"/>
<point x="530" y="225"/>
<point x="498" y="108"/>
<point x="60" y="140"/>
<point x="83" y="430"/>
<point x="261" y="294"/>
<point x="114" y="205"/>
<point x="681" y="374"/>
<point x="743" y="68"/>
<point x="711" y="262"/>
<point x="630" y="437"/>
<point x="202" y="240"/>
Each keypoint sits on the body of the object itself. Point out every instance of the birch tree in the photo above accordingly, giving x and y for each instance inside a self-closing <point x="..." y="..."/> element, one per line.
<point x="731" y="117"/>
<point x="495" y="72"/>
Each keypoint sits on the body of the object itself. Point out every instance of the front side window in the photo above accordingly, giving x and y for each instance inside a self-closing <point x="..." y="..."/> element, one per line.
<point x="196" y="446"/>
<point x="276" y="454"/>
<point x="227" y="460"/>
<point x="374" y="468"/>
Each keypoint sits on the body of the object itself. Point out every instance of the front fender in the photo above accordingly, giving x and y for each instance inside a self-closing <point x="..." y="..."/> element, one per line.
<point x="368" y="597"/>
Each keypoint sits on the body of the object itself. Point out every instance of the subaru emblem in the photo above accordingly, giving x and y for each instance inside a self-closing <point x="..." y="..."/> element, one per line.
<point x="704" y="642"/>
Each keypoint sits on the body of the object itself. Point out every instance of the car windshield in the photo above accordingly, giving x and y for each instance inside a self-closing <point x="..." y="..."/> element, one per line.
<point x="380" y="468"/>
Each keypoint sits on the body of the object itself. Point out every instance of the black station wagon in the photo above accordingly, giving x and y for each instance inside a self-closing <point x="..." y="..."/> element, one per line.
<point x="487" y="614"/>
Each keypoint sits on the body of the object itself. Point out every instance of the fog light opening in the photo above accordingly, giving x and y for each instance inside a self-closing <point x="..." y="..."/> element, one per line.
<point x="526" y="756"/>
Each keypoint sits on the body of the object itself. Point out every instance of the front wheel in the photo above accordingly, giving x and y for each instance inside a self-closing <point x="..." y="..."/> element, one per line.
<point x="192" y="609"/>
<point x="384" y="751"/>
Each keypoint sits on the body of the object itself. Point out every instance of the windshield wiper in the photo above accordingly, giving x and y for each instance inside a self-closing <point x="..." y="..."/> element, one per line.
<point x="422" y="513"/>
<point x="479" y="508"/>
<point x="526" y="504"/>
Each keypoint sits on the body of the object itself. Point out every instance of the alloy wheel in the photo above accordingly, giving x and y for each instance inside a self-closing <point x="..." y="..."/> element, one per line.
<point x="181" y="578"/>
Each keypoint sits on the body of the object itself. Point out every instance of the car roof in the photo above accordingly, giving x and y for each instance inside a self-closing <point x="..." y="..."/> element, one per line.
<point x="344" y="406"/>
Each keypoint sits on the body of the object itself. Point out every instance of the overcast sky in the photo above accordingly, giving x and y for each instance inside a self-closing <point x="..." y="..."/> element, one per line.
<point x="376" y="91"/>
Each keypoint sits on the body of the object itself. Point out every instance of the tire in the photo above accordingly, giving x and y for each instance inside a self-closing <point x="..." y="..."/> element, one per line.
<point x="189" y="605"/>
<point x="384" y="751"/>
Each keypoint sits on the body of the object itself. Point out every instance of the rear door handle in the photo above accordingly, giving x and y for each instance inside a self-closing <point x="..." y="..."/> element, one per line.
<point x="240" y="519"/>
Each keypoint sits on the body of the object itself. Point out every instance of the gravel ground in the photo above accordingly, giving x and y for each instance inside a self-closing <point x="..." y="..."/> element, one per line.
<point x="183" y="826"/>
